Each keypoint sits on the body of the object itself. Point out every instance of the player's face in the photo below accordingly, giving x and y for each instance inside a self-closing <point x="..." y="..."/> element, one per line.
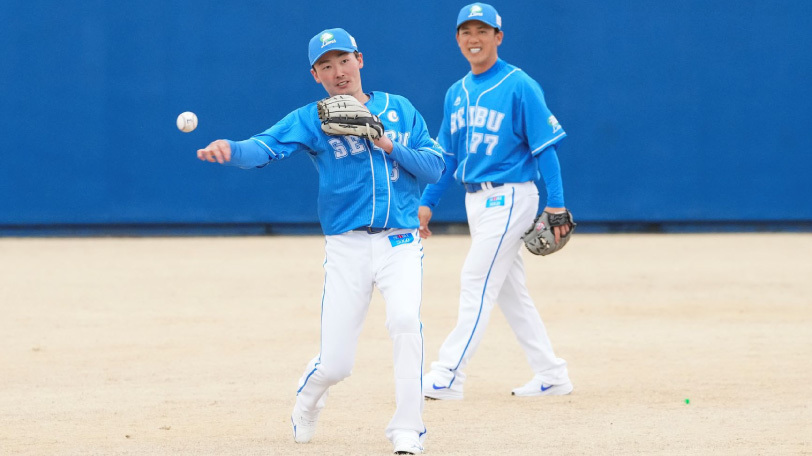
<point x="478" y="42"/>
<point x="340" y="73"/>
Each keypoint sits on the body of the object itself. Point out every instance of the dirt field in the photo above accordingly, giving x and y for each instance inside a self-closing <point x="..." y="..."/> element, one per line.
<point x="194" y="346"/>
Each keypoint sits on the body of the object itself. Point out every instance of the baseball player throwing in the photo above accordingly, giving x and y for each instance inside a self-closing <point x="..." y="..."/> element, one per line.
<point x="498" y="134"/>
<point x="370" y="149"/>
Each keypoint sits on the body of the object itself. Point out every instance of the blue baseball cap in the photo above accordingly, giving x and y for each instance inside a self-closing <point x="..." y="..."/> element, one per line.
<point x="481" y="12"/>
<point x="336" y="39"/>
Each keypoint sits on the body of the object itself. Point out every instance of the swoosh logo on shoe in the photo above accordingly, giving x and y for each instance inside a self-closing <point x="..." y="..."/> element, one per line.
<point x="433" y="385"/>
<point x="545" y="389"/>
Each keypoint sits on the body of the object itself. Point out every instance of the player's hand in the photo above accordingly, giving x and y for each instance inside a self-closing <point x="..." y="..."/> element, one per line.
<point x="559" y="231"/>
<point x="384" y="143"/>
<point x="218" y="151"/>
<point x="424" y="215"/>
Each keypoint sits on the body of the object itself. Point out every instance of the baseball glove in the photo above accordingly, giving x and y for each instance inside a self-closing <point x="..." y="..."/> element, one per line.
<point x="540" y="239"/>
<point x="345" y="115"/>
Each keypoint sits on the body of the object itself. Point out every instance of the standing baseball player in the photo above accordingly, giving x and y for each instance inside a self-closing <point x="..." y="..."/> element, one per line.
<point x="370" y="149"/>
<point x="498" y="135"/>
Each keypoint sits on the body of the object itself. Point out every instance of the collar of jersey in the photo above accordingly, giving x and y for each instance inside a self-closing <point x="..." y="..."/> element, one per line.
<point x="372" y="104"/>
<point x="490" y="72"/>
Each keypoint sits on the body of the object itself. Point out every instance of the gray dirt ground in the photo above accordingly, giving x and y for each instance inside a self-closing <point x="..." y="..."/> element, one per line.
<point x="194" y="346"/>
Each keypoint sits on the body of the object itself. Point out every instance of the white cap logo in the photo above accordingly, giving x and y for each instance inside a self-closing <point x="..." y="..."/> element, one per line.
<point x="327" y="38"/>
<point x="476" y="10"/>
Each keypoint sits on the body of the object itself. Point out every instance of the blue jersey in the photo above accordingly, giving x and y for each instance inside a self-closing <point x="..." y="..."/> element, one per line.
<point x="360" y="185"/>
<point x="494" y="126"/>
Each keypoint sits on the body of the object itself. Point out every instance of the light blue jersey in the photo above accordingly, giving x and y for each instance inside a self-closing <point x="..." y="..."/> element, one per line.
<point x="495" y="125"/>
<point x="360" y="185"/>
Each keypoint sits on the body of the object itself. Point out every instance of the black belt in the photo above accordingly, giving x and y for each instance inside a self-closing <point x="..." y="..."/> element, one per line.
<point x="473" y="188"/>
<point x="370" y="230"/>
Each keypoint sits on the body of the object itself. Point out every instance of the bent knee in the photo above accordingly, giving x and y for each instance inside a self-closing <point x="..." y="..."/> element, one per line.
<point x="334" y="374"/>
<point x="403" y="324"/>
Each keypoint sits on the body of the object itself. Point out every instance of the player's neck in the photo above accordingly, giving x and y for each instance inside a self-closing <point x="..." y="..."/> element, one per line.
<point x="361" y="96"/>
<point x="479" y="68"/>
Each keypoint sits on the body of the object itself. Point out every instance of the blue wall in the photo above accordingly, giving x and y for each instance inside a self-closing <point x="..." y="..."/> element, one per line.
<point x="676" y="111"/>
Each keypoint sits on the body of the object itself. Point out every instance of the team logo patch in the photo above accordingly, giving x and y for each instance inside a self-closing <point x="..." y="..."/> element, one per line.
<point x="399" y="239"/>
<point x="495" y="201"/>
<point x="327" y="38"/>
<point x="553" y="122"/>
<point x="476" y="10"/>
<point x="392" y="116"/>
<point x="457" y="101"/>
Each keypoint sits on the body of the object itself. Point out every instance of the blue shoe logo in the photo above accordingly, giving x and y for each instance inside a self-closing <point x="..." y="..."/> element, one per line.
<point x="438" y="387"/>
<point x="545" y="389"/>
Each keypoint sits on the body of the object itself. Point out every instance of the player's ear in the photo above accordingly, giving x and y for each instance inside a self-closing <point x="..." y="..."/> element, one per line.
<point x="360" y="58"/>
<point x="499" y="36"/>
<point x="315" y="75"/>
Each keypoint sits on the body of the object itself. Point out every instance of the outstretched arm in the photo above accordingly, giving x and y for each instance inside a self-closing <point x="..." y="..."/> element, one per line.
<point x="245" y="154"/>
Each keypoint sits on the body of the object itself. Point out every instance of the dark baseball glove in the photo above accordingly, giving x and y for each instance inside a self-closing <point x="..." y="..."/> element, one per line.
<point x="540" y="239"/>
<point x="345" y="115"/>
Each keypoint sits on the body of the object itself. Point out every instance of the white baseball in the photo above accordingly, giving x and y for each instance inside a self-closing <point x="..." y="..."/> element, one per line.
<point x="187" y="121"/>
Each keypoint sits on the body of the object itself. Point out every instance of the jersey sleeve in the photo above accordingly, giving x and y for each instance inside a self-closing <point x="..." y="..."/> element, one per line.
<point x="422" y="157"/>
<point x="433" y="192"/>
<point x="536" y="121"/>
<point x="550" y="170"/>
<point x="286" y="137"/>
<point x="444" y="135"/>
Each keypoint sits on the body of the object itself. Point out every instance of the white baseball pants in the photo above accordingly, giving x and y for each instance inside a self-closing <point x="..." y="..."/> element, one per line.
<point x="494" y="272"/>
<point x="354" y="263"/>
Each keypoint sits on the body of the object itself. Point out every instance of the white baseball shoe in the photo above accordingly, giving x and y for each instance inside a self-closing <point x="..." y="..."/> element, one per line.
<point x="436" y="388"/>
<point x="304" y="425"/>
<point x="537" y="387"/>
<point x="408" y="444"/>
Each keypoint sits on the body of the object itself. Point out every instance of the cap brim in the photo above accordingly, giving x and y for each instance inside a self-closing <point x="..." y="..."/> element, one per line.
<point x="477" y="20"/>
<point x="337" y="48"/>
